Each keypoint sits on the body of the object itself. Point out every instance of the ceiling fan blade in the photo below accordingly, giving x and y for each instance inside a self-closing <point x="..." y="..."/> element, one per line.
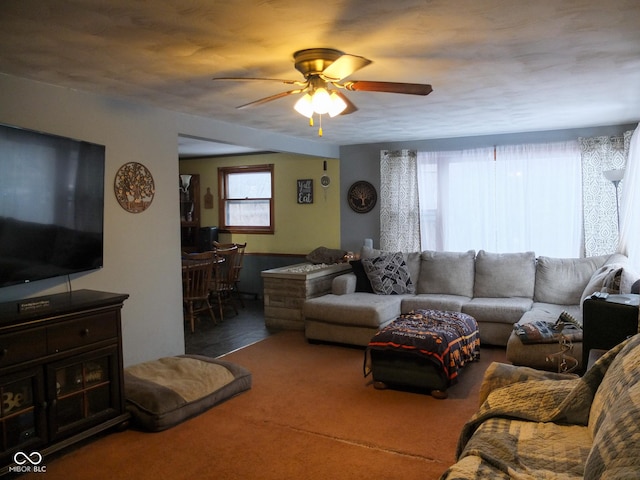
<point x="344" y="66"/>
<point x="350" y="106"/>
<point x="389" y="87"/>
<point x="287" y="82"/>
<point x="270" y="98"/>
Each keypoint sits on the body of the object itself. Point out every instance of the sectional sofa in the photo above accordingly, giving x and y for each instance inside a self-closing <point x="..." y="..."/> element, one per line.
<point x="497" y="289"/>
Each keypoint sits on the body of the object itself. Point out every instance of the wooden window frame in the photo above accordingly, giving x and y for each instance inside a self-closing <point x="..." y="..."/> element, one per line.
<point x="223" y="173"/>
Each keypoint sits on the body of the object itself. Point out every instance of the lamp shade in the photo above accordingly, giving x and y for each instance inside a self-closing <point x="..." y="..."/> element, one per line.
<point x="185" y="182"/>
<point x="614" y="175"/>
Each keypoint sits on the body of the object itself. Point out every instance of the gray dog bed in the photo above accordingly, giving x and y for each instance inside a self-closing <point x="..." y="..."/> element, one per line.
<point x="165" y="392"/>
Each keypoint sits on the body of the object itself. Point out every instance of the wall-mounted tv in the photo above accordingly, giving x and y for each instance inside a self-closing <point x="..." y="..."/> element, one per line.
<point x="51" y="205"/>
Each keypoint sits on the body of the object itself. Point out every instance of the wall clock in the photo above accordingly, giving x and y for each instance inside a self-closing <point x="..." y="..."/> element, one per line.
<point x="134" y="187"/>
<point x="362" y="197"/>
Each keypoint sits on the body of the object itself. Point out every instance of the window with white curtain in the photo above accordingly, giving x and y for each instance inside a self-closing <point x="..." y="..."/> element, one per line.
<point x="511" y="198"/>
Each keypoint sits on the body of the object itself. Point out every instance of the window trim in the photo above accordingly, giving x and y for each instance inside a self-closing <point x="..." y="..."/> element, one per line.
<point x="223" y="173"/>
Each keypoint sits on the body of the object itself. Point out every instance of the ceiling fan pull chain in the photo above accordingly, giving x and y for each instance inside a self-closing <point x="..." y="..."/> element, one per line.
<point x="320" y="129"/>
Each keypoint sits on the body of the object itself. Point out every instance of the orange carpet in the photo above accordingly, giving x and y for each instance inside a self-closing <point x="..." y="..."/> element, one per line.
<point x="310" y="415"/>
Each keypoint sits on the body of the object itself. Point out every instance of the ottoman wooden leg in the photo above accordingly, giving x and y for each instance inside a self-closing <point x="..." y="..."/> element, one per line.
<point x="439" y="394"/>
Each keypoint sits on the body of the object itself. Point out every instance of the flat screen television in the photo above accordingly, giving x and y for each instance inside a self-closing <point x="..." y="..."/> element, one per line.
<point x="51" y="205"/>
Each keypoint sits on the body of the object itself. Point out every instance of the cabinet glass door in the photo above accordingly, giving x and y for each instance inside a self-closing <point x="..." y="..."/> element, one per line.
<point x="21" y="412"/>
<point x="84" y="391"/>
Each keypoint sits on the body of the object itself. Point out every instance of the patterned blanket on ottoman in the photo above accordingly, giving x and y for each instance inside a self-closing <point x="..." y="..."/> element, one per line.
<point x="449" y="339"/>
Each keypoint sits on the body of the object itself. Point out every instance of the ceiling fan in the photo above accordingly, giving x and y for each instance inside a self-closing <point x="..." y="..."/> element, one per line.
<point x="324" y="70"/>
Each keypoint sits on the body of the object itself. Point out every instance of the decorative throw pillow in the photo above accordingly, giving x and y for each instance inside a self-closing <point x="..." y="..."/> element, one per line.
<point x="388" y="274"/>
<point x="362" y="281"/>
<point x="612" y="281"/>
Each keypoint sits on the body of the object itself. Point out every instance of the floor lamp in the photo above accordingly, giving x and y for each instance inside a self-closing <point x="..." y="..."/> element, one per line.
<point x="614" y="176"/>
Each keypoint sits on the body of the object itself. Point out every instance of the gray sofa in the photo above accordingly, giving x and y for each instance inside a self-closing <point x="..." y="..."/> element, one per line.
<point x="498" y="290"/>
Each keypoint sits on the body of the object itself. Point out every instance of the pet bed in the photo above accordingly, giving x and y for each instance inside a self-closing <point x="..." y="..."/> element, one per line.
<point x="424" y="349"/>
<point x="165" y="392"/>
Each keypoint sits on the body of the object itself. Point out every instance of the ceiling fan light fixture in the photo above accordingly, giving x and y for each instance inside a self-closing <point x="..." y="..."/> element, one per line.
<point x="321" y="101"/>
<point x="337" y="104"/>
<point x="304" y="106"/>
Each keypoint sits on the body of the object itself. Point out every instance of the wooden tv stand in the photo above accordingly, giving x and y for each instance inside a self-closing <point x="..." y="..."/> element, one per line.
<point x="61" y="375"/>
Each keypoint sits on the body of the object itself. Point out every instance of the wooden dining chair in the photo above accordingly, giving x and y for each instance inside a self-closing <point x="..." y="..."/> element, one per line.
<point x="221" y="287"/>
<point x="197" y="272"/>
<point x="236" y="268"/>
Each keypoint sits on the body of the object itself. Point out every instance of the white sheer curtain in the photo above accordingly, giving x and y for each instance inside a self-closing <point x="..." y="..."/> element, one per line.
<point x="630" y="204"/>
<point x="508" y="199"/>
<point x="399" y="212"/>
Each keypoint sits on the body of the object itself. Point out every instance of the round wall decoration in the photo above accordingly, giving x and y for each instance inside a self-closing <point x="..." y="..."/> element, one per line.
<point x="134" y="187"/>
<point x="362" y="197"/>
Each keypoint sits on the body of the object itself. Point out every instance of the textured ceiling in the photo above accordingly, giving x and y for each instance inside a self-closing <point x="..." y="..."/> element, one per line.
<point x="496" y="66"/>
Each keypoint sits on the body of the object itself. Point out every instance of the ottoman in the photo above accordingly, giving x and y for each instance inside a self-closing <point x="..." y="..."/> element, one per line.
<point x="424" y="349"/>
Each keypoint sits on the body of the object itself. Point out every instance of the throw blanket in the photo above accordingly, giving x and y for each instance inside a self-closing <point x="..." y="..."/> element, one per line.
<point x="449" y="339"/>
<point x="512" y="396"/>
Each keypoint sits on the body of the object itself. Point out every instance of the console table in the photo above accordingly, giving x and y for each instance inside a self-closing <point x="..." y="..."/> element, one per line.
<point x="286" y="289"/>
<point x="60" y="373"/>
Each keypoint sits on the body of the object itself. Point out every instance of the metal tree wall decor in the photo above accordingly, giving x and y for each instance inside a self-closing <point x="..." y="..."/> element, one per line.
<point x="362" y="197"/>
<point x="134" y="187"/>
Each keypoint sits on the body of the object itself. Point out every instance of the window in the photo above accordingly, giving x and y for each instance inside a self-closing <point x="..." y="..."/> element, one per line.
<point x="246" y="199"/>
<point x="509" y="199"/>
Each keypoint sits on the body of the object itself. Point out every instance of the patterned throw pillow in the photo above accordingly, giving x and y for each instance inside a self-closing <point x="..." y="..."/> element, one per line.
<point x="612" y="281"/>
<point x="388" y="274"/>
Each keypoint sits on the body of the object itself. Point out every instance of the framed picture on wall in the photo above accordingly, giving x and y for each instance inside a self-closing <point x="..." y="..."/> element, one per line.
<point x="305" y="191"/>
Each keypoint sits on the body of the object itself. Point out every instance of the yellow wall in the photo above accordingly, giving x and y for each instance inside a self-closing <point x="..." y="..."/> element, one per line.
<point x="299" y="228"/>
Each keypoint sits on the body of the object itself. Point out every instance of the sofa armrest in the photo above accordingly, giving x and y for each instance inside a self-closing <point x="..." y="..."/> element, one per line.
<point x="499" y="375"/>
<point x="344" y="284"/>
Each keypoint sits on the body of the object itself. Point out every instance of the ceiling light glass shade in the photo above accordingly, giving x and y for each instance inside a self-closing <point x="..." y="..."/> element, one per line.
<point x="304" y="106"/>
<point x="337" y="105"/>
<point x="321" y="101"/>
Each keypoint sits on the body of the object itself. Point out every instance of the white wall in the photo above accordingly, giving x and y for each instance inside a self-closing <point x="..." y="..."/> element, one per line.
<point x="142" y="251"/>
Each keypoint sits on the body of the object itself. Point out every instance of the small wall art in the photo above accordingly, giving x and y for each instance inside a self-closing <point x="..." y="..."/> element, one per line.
<point x="305" y="191"/>
<point x="134" y="187"/>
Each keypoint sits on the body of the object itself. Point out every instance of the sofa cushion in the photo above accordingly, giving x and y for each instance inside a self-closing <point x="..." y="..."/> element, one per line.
<point x="388" y="274"/>
<point x="412" y="259"/>
<point x="358" y="309"/>
<point x="497" y="310"/>
<point x="447" y="272"/>
<point x="434" y="301"/>
<point x="563" y="280"/>
<point x="502" y="275"/>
